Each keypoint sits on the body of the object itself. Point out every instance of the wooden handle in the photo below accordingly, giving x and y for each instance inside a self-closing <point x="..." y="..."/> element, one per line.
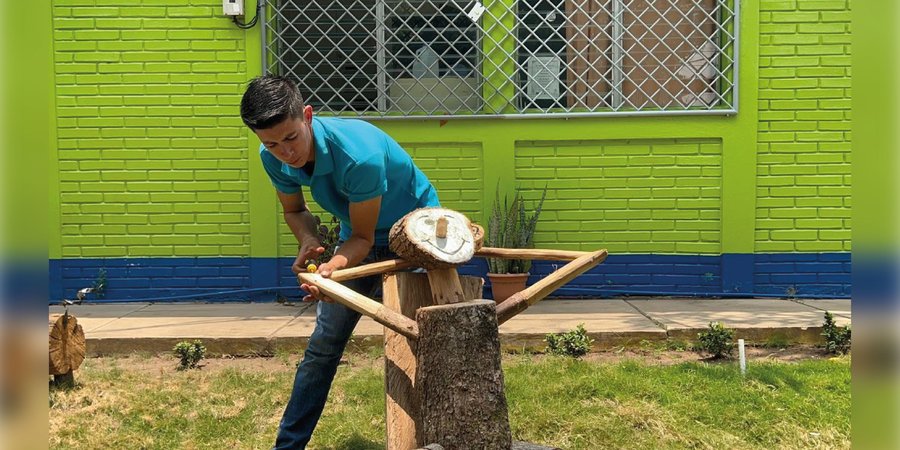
<point x="530" y="253"/>
<point x="391" y="265"/>
<point x="362" y="304"/>
<point x="520" y="301"/>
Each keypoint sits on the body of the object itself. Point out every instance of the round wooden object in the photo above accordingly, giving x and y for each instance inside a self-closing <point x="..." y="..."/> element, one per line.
<point x="67" y="345"/>
<point x="415" y="238"/>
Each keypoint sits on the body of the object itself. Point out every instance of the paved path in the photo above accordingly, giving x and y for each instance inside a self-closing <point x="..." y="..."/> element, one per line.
<point x="265" y="328"/>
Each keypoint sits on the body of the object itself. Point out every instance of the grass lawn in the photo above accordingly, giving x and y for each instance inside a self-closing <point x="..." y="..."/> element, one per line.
<point x="620" y="401"/>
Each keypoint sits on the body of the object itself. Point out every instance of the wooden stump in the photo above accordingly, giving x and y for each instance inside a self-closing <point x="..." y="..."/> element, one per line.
<point x="406" y="292"/>
<point x="67" y="348"/>
<point x="434" y="238"/>
<point x="460" y="378"/>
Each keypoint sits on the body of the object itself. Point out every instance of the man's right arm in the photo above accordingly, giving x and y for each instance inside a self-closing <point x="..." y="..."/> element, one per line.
<point x="303" y="225"/>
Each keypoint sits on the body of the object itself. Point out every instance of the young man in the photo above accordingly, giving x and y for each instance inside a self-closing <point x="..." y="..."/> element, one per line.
<point x="354" y="171"/>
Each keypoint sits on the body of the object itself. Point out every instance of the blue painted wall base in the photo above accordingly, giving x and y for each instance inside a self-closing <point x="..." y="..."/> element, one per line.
<point x="159" y="279"/>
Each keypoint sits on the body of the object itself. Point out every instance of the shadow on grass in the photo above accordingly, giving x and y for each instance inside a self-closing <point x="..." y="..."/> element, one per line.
<point x="357" y="442"/>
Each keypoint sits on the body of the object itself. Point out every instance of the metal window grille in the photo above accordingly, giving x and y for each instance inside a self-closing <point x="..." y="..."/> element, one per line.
<point x="442" y="58"/>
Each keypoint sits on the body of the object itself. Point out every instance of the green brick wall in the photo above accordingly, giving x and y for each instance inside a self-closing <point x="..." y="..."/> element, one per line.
<point x="152" y="154"/>
<point x="153" y="159"/>
<point x="803" y="148"/>
<point x="455" y="170"/>
<point x="628" y="196"/>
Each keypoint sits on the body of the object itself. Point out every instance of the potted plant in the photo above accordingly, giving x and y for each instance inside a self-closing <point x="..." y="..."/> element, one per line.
<point x="510" y="226"/>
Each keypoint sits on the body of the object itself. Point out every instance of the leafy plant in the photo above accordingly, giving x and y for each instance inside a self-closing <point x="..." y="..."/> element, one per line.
<point x="716" y="340"/>
<point x="98" y="288"/>
<point x="189" y="353"/>
<point x="837" y="339"/>
<point x="510" y="226"/>
<point x="575" y="343"/>
<point x="329" y="235"/>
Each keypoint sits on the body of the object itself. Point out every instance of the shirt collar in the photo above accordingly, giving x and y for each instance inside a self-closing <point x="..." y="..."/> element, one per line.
<point x="324" y="161"/>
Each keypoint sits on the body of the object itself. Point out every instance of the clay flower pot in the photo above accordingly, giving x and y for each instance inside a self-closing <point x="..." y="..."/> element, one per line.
<point x="503" y="285"/>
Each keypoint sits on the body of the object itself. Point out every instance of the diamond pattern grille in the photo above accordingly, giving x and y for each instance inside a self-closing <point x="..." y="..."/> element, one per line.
<point x="401" y="58"/>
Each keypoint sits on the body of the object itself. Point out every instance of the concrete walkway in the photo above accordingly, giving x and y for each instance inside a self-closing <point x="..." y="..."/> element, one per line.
<point x="266" y="328"/>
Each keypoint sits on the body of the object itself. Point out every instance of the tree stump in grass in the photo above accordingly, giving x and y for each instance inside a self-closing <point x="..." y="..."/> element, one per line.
<point x="459" y="377"/>
<point x="67" y="348"/>
<point x="406" y="292"/>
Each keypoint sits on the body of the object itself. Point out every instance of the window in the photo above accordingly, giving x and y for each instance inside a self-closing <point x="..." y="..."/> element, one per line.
<point x="450" y="58"/>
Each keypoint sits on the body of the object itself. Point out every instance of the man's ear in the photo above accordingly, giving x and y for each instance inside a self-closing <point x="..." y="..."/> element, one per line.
<point x="307" y="113"/>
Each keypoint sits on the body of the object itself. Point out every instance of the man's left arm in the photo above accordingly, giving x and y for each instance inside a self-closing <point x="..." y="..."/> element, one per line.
<point x="363" y="220"/>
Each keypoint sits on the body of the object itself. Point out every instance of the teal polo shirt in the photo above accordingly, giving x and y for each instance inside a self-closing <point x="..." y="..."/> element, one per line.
<point x="356" y="161"/>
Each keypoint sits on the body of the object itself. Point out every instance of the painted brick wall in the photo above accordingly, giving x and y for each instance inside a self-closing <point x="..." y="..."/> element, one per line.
<point x="627" y="196"/>
<point x="152" y="153"/>
<point x="803" y="202"/>
<point x="454" y="169"/>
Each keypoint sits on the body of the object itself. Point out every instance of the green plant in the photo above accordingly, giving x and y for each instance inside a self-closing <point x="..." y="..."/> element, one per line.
<point x="574" y="343"/>
<point x="329" y="235"/>
<point x="716" y="340"/>
<point x="510" y="226"/>
<point x="189" y="353"/>
<point x="837" y="339"/>
<point x="99" y="285"/>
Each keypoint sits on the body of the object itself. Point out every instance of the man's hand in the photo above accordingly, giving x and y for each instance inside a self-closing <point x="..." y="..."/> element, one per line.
<point x="314" y="293"/>
<point x="310" y="249"/>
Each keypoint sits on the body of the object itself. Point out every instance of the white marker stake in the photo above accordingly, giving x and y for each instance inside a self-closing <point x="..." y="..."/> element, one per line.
<point x="743" y="356"/>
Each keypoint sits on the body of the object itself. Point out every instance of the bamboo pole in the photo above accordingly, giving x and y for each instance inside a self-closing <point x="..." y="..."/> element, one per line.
<point x="520" y="301"/>
<point x="529" y="253"/>
<point x="362" y="304"/>
<point x="391" y="265"/>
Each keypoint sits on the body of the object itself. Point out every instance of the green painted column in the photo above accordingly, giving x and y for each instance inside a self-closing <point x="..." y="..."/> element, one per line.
<point x="498" y="42"/>
<point x="264" y="217"/>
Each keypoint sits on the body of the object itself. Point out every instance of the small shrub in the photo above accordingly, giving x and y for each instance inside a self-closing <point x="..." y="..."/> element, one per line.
<point x="837" y="339"/>
<point x="575" y="343"/>
<point x="716" y="340"/>
<point x="190" y="354"/>
<point x="329" y="235"/>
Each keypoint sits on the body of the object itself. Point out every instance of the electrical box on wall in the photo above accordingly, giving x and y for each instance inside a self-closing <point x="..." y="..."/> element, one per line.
<point x="233" y="7"/>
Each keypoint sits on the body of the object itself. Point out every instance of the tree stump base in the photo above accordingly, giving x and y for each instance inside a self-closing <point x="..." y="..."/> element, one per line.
<point x="459" y="377"/>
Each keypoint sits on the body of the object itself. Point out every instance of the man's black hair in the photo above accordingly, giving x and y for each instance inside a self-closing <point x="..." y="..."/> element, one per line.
<point x="269" y="100"/>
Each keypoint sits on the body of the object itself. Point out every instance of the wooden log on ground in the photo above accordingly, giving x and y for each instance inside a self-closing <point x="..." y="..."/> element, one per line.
<point x="520" y="301"/>
<point x="433" y="238"/>
<point x="362" y="304"/>
<point x="67" y="347"/>
<point x="406" y="292"/>
<point x="460" y="378"/>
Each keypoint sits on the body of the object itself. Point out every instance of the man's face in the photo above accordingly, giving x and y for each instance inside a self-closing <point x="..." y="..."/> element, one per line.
<point x="291" y="140"/>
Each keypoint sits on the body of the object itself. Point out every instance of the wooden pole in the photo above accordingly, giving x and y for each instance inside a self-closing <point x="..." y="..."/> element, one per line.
<point x="521" y="300"/>
<point x="529" y="253"/>
<point x="362" y="304"/>
<point x="391" y="265"/>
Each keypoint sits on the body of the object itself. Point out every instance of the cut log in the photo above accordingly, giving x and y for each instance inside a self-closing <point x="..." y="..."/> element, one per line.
<point x="460" y="378"/>
<point x="416" y="238"/>
<point x="406" y="292"/>
<point x="67" y="344"/>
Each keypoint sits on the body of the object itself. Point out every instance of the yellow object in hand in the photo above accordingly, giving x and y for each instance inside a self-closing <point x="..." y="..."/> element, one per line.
<point x="311" y="268"/>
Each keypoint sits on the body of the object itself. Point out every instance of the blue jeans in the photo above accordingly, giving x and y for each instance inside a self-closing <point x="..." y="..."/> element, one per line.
<point x="334" y="325"/>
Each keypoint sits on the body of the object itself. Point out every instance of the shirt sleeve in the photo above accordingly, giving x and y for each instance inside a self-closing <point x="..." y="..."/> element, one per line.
<point x="366" y="179"/>
<point x="282" y="182"/>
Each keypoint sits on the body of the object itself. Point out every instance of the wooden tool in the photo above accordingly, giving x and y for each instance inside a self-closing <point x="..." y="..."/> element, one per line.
<point x="438" y="333"/>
